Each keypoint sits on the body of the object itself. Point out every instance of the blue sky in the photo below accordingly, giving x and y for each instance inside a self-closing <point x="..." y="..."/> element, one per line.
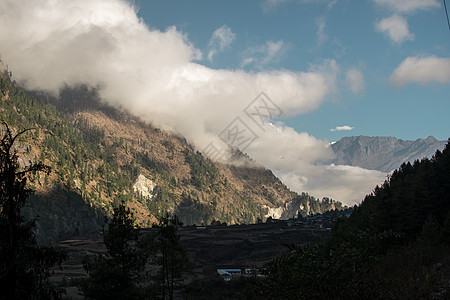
<point x="204" y="69"/>
<point x="308" y="32"/>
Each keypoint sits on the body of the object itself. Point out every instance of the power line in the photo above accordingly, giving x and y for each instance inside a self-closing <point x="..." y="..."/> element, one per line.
<point x="446" y="13"/>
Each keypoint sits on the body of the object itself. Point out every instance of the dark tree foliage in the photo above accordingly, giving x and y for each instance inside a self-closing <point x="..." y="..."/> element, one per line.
<point x="69" y="143"/>
<point x="170" y="255"/>
<point x="24" y="265"/>
<point x="203" y="171"/>
<point x="389" y="248"/>
<point x="118" y="274"/>
<point x="123" y="272"/>
<point x="326" y="270"/>
<point x="405" y="200"/>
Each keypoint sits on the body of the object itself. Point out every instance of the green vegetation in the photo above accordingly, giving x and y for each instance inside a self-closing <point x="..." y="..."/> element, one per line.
<point x="98" y="152"/>
<point x="170" y="256"/>
<point x="25" y="266"/>
<point x="404" y="202"/>
<point x="395" y="245"/>
<point x="78" y="150"/>
<point x="125" y="271"/>
<point x="203" y="171"/>
<point x="118" y="274"/>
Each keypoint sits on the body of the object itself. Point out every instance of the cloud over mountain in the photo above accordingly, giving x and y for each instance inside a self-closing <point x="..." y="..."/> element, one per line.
<point x="155" y="74"/>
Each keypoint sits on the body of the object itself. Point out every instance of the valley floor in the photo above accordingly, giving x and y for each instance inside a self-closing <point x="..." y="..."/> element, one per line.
<point x="210" y="248"/>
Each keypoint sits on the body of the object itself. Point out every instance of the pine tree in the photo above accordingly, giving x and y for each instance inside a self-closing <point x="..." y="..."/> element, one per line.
<point x="170" y="255"/>
<point x="116" y="275"/>
<point x="24" y="265"/>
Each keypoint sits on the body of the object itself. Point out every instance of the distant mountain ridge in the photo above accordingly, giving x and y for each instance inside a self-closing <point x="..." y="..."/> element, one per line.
<point x="384" y="154"/>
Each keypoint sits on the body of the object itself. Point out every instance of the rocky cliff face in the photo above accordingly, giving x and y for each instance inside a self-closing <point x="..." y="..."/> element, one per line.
<point x="144" y="186"/>
<point x="384" y="154"/>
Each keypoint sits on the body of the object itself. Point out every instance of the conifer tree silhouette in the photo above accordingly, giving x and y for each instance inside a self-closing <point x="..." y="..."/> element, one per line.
<point x="25" y="266"/>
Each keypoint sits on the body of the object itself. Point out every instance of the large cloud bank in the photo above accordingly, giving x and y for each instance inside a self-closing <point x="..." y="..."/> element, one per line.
<point x="157" y="75"/>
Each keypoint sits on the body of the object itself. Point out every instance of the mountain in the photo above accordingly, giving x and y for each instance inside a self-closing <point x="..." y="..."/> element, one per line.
<point x="384" y="154"/>
<point x="101" y="156"/>
<point x="413" y="193"/>
<point x="392" y="244"/>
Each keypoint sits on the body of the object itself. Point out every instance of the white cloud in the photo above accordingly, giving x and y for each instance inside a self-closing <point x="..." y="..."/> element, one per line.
<point x="153" y="74"/>
<point x="321" y="35"/>
<point x="247" y="61"/>
<point x="329" y="3"/>
<point x="408" y="6"/>
<point x="422" y="70"/>
<point x="273" y="51"/>
<point x="221" y="38"/>
<point x="342" y="128"/>
<point x="355" y="79"/>
<point x="265" y="54"/>
<point x="301" y="162"/>
<point x="336" y="180"/>
<point x="273" y="4"/>
<point x="268" y="5"/>
<point x="396" y="27"/>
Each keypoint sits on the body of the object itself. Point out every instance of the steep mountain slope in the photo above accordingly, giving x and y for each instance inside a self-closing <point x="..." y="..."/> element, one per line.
<point x="384" y="154"/>
<point x="397" y="242"/>
<point x="413" y="193"/>
<point x="103" y="155"/>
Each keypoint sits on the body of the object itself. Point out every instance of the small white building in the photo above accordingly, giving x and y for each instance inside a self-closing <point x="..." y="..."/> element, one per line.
<point x="227" y="274"/>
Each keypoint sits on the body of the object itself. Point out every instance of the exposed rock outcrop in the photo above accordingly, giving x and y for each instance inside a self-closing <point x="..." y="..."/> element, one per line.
<point x="144" y="186"/>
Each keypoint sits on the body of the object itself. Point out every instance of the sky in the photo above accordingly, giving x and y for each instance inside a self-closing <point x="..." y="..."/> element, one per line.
<point x="369" y="40"/>
<point x="280" y="79"/>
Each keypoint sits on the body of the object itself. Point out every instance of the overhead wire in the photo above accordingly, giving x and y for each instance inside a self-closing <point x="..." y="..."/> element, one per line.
<point x="446" y="13"/>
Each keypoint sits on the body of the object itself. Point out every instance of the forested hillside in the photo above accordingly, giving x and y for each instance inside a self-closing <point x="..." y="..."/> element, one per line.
<point x="412" y="194"/>
<point x="395" y="245"/>
<point x="100" y="155"/>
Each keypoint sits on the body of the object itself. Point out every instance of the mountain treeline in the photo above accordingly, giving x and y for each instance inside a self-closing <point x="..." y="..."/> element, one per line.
<point x="395" y="245"/>
<point x="412" y="194"/>
<point x="98" y="152"/>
